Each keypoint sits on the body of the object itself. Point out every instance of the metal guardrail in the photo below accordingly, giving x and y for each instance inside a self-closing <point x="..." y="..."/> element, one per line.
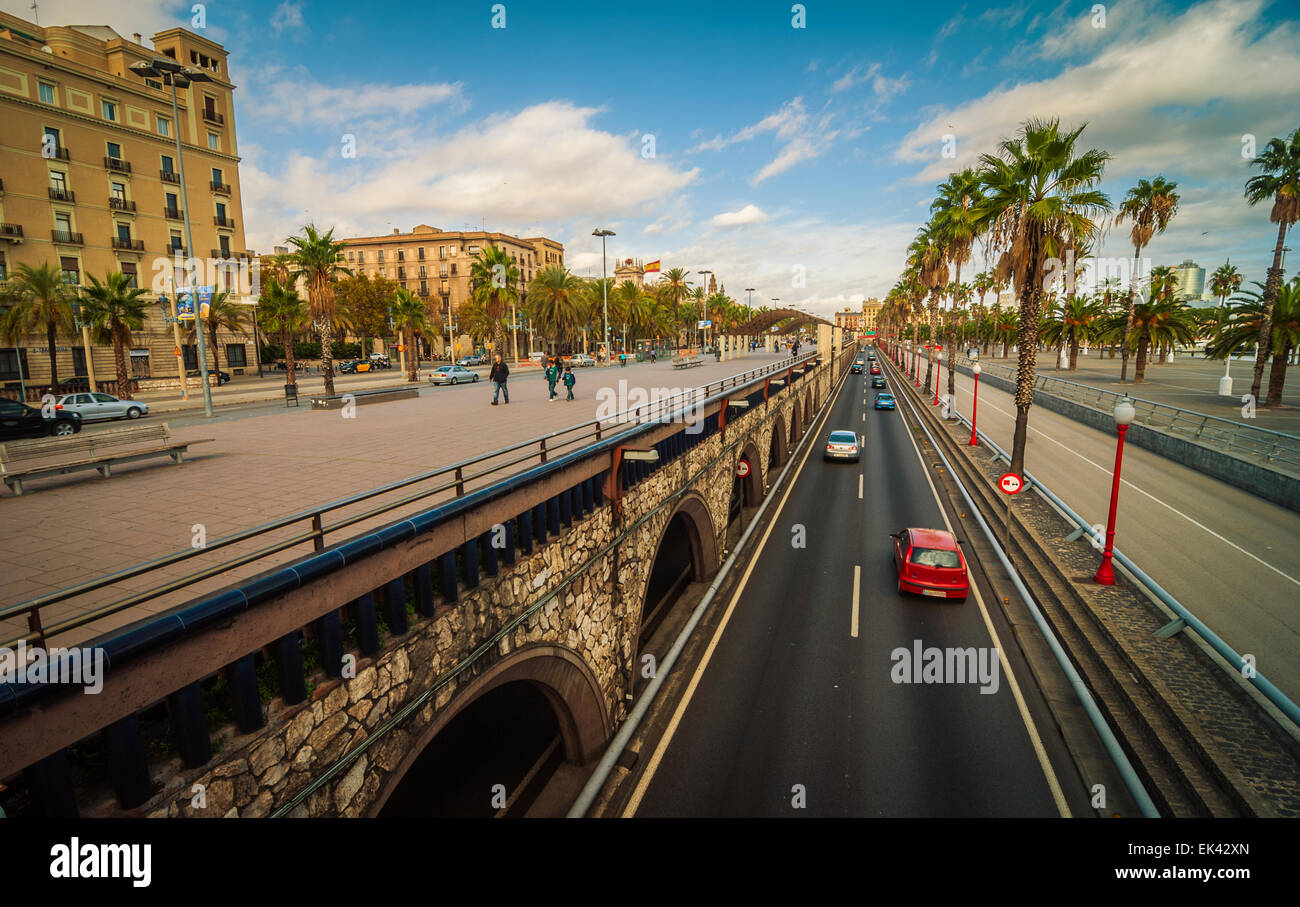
<point x="523" y="454"/>
<point x="1275" y="449"/>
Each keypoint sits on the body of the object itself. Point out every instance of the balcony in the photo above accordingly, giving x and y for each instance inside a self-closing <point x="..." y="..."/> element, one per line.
<point x="401" y="273"/>
<point x="121" y="204"/>
<point x="174" y="213"/>
<point x="178" y="250"/>
<point x="219" y="187"/>
<point x="58" y="154"/>
<point x="117" y="164"/>
<point x="66" y="237"/>
<point x="423" y="292"/>
<point x="11" y="231"/>
<point x="62" y="195"/>
<point x="211" y="116"/>
<point x="128" y="245"/>
<point x="223" y="222"/>
<point x="401" y="256"/>
<point x="222" y="254"/>
<point x="169" y="176"/>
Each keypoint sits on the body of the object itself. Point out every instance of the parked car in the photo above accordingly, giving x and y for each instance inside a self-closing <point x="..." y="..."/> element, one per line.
<point x="18" y="420"/>
<point x="222" y="377"/>
<point x="929" y="562"/>
<point x="96" y="406"/>
<point x="582" y="360"/>
<point x="466" y="361"/>
<point x="452" y="374"/>
<point x="842" y="445"/>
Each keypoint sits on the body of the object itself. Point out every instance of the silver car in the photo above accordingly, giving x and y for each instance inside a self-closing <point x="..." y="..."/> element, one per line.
<point x="582" y="360"/>
<point x="452" y="374"/>
<point x="843" y="445"/>
<point x="95" y="406"/>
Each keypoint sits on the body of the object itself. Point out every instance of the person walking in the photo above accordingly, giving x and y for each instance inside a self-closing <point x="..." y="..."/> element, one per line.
<point x="552" y="376"/>
<point x="570" y="379"/>
<point x="498" y="375"/>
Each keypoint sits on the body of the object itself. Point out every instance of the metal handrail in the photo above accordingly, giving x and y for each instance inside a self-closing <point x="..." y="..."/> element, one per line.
<point x="661" y="408"/>
<point x="1275" y="448"/>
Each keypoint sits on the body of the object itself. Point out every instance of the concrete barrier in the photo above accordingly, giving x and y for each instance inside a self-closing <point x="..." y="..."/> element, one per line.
<point x="361" y="398"/>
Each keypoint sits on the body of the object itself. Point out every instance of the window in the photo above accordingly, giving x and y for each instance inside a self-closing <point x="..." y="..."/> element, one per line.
<point x="105" y="398"/>
<point x="13" y="366"/>
<point x="421" y="253"/>
<point x="216" y="176"/>
<point x="175" y="240"/>
<point x="453" y="269"/>
<point x="114" y="150"/>
<point x="934" y="557"/>
<point x="191" y="356"/>
<point x="139" y="363"/>
<point x="118" y="191"/>
<point x="110" y="111"/>
<point x="224" y="242"/>
<point x="221" y="211"/>
<point x="361" y="255"/>
<point x="46" y="92"/>
<point x="128" y="271"/>
<point x="52" y="142"/>
<point x="164" y="126"/>
<point x="349" y="256"/>
<point x="58" y="180"/>
<point x="79" y="362"/>
<point x="237" y="355"/>
<point x="453" y="250"/>
<point x="124" y="233"/>
<point x="4" y="269"/>
<point x="167" y="164"/>
<point x="214" y="141"/>
<point x="172" y="204"/>
<point x="71" y="270"/>
<point x="63" y="222"/>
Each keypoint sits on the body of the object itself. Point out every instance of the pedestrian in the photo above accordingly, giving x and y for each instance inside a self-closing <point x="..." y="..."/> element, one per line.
<point x="569" y="380"/>
<point x="622" y="360"/>
<point x="552" y="376"/>
<point x="498" y="375"/>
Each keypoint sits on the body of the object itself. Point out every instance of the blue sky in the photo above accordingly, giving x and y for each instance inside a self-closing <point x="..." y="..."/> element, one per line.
<point x="799" y="161"/>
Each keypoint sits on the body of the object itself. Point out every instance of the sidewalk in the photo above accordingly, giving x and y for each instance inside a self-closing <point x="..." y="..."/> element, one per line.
<point x="77" y="527"/>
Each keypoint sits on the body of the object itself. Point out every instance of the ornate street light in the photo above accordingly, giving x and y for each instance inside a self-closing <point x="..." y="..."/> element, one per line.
<point x="1123" y="413"/>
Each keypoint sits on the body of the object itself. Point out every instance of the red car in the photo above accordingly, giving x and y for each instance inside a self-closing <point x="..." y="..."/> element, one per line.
<point x="875" y="369"/>
<point x="930" y="563"/>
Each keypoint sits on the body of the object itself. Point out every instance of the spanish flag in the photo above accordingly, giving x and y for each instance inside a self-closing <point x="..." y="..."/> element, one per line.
<point x="652" y="266"/>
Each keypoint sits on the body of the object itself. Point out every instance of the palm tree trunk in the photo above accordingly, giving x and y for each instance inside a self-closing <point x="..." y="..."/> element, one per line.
<point x="327" y="354"/>
<point x="1144" y="345"/>
<point x="1128" y="314"/>
<point x="1027" y="355"/>
<point x="54" y="359"/>
<point x="410" y="356"/>
<point x="216" y="361"/>
<point x="1271" y="285"/>
<point x="1277" y="376"/>
<point x="288" y="357"/>
<point x="1074" y="350"/>
<point x="930" y="341"/>
<point x="119" y="361"/>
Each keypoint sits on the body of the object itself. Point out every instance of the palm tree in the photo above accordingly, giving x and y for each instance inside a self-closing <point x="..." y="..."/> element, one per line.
<point x="282" y="313"/>
<point x="982" y="284"/>
<point x="956" y="214"/>
<point x="553" y="303"/>
<point x="494" y="279"/>
<point x="1150" y="205"/>
<point x="928" y="256"/>
<point x="114" y="309"/>
<point x="1160" y="321"/>
<point x="38" y="300"/>
<point x="223" y="312"/>
<point x="409" y="315"/>
<point x="1280" y="181"/>
<point x="1040" y="196"/>
<point x="1241" y="329"/>
<point x="317" y="258"/>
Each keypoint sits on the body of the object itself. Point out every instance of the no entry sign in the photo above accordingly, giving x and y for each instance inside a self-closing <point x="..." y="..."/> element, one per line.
<point x="742" y="468"/>
<point x="1010" y="483"/>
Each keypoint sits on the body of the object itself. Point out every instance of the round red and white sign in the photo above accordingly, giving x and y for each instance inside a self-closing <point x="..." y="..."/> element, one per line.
<point x="742" y="468"/>
<point x="1010" y="483"/>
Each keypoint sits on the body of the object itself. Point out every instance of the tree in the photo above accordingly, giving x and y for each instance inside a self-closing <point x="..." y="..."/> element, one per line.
<point x="1280" y="181"/>
<point x="223" y="312"/>
<point x="1150" y="205"/>
<point x="409" y="315"/>
<point x="1040" y="196"/>
<point x="554" y="298"/>
<point x="1160" y="321"/>
<point x="494" y="280"/>
<point x="317" y="258"/>
<point x="114" y="309"/>
<point x="1241" y="329"/>
<point x="38" y="300"/>
<point x="282" y="313"/>
<point x="362" y="305"/>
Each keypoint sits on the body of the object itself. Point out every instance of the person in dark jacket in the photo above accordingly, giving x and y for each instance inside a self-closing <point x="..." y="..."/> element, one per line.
<point x="552" y="376"/>
<point x="569" y="380"/>
<point x="498" y="375"/>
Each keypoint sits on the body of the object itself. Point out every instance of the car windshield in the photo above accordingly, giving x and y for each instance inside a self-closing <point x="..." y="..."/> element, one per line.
<point x="934" y="557"/>
<point x="843" y="437"/>
<point x="885" y="397"/>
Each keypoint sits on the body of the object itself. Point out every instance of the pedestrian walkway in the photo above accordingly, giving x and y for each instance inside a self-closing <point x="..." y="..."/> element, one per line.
<point x="79" y="527"/>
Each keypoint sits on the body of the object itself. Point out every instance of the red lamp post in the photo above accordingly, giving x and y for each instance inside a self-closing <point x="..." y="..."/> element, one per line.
<point x="975" y="406"/>
<point x="1124" y="413"/>
<point x="918" y="366"/>
<point x="938" y="358"/>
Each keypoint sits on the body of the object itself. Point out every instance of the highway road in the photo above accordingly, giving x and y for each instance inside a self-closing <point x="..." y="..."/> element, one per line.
<point x="1228" y="556"/>
<point x="795" y="696"/>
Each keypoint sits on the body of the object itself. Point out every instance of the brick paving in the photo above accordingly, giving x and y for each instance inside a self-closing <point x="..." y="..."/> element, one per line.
<point x="69" y="529"/>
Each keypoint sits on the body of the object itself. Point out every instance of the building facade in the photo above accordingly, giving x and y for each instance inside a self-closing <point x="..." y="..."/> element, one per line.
<point x="92" y="184"/>
<point x="1191" y="281"/>
<point x="435" y="264"/>
<point x="870" y="312"/>
<point x="850" y="321"/>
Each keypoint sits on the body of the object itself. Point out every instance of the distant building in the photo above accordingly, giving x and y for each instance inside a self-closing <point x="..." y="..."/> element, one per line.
<point x="1191" y="281"/>
<point x="870" y="311"/>
<point x="849" y="320"/>
<point x="632" y="269"/>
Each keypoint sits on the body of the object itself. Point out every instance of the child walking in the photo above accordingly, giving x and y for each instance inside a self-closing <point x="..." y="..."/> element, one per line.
<point x="569" y="380"/>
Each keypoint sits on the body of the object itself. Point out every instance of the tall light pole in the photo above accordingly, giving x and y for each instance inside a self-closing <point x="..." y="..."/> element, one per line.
<point x="604" y="288"/>
<point x="1124" y="413"/>
<point x="704" y="287"/>
<point x="975" y="406"/>
<point x="938" y="358"/>
<point x="175" y="75"/>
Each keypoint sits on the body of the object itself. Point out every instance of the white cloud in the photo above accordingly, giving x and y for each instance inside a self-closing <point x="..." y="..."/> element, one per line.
<point x="750" y="214"/>
<point x="801" y="135"/>
<point x="292" y="99"/>
<point x="288" y="17"/>
<point x="854" y="76"/>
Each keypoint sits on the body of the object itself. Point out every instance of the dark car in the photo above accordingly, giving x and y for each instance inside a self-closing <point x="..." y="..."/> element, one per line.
<point x="222" y="377"/>
<point x="18" y="420"/>
<point x="878" y="381"/>
<point x="857" y="368"/>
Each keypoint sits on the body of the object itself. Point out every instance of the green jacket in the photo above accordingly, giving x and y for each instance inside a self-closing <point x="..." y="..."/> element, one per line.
<point x="552" y="374"/>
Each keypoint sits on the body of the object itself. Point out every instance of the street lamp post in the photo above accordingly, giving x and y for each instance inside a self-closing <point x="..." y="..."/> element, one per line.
<point x="175" y="75"/>
<point x="704" y="287"/>
<point x="1124" y="413"/>
<point x="975" y="406"/>
<point x="175" y="322"/>
<point x="938" y="359"/>
<point x="604" y="289"/>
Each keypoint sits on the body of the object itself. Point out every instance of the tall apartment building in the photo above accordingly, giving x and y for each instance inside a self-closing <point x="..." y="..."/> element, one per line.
<point x="849" y="320"/>
<point x="91" y="181"/>
<point x="870" y="311"/>
<point x="1191" y="281"/>
<point x="435" y="264"/>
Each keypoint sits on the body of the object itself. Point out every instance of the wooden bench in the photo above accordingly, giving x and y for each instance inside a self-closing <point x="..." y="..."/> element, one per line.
<point x="687" y="360"/>
<point x="21" y="460"/>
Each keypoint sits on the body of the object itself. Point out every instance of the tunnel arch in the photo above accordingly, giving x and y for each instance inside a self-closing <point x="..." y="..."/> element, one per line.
<point x="688" y="539"/>
<point x="777" y="449"/>
<point x="560" y="675"/>
<point x="796" y="424"/>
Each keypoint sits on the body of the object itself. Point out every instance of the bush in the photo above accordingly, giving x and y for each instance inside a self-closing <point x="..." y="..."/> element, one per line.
<point x="343" y="350"/>
<point x="306" y="349"/>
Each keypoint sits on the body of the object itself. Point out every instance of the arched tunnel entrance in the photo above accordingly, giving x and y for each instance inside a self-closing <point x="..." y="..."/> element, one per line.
<point x="508" y="737"/>
<point x="746" y="495"/>
<point x="776" y="452"/>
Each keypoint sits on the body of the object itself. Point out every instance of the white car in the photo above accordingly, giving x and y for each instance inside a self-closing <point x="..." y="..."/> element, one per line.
<point x="452" y="374"/>
<point x="95" y="406"/>
<point x="582" y="360"/>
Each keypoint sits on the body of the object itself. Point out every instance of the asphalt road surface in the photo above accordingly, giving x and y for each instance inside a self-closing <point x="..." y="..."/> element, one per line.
<point x="793" y="702"/>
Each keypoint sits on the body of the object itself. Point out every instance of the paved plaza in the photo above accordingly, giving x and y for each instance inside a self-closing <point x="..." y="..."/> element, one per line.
<point x="268" y="464"/>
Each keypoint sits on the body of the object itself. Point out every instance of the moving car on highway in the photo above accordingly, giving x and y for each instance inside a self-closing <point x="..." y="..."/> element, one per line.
<point x="843" y="445"/>
<point x="885" y="401"/>
<point x="930" y="563"/>
<point x="96" y="406"/>
<point x="878" y="381"/>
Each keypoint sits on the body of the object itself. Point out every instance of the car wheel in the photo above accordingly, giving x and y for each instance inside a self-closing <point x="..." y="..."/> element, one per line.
<point x="134" y="413"/>
<point x="62" y="429"/>
<point x="453" y="380"/>
<point x="474" y="379"/>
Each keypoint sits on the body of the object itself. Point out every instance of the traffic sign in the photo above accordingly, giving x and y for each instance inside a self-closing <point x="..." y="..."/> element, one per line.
<point x="1010" y="483"/>
<point x="742" y="468"/>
